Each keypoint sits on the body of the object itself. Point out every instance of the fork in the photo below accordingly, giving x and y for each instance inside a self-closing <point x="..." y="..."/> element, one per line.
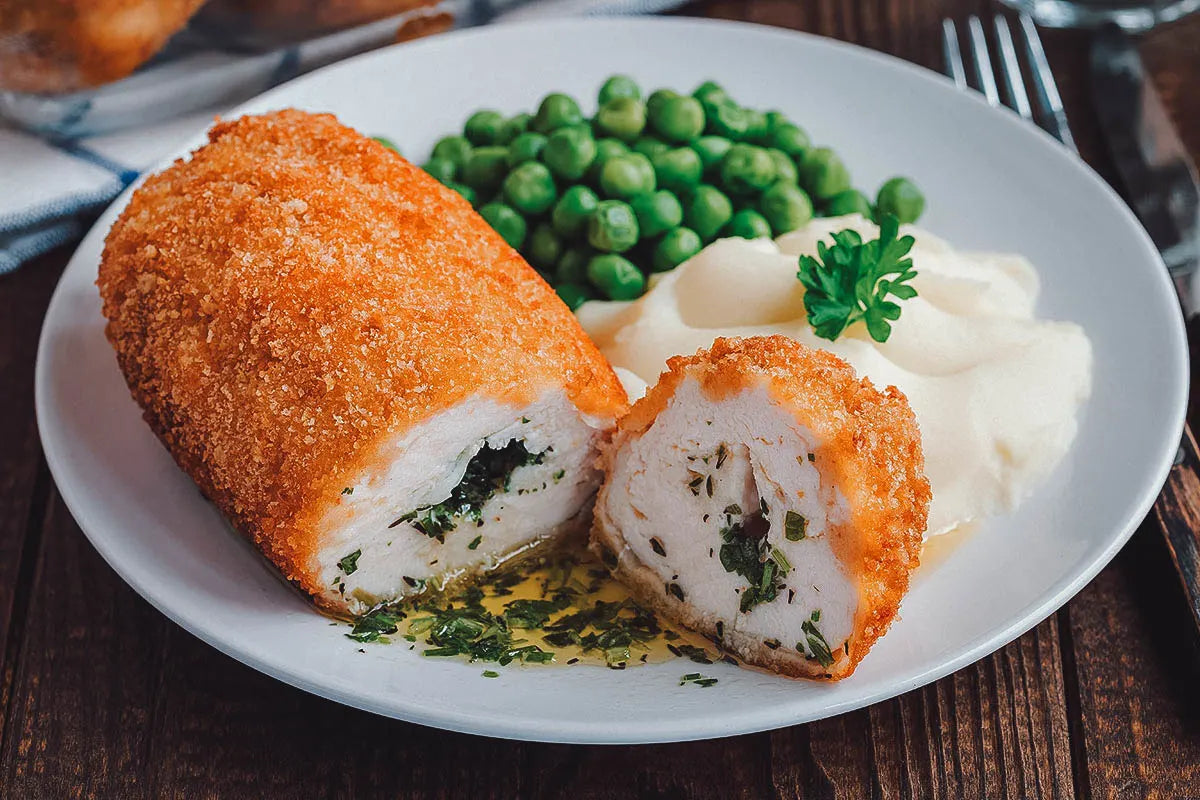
<point x="1177" y="508"/>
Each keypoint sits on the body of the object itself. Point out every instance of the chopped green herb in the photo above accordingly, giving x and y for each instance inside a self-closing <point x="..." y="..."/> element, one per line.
<point x="746" y="552"/>
<point x="349" y="564"/>
<point x="609" y="628"/>
<point x="812" y="456"/>
<point x="487" y="473"/>
<point x="722" y="454"/>
<point x="487" y="673"/>
<point x="476" y="633"/>
<point x="348" y="490"/>
<point x="795" y="526"/>
<point x="533" y="613"/>
<point x="850" y="281"/>
<point x="376" y="625"/>
<point x="558" y="476"/>
<point x="697" y="654"/>
<point x="816" y="641"/>
<point x="675" y="589"/>
<point x="657" y="546"/>
<point x="475" y="542"/>
<point x="697" y="679"/>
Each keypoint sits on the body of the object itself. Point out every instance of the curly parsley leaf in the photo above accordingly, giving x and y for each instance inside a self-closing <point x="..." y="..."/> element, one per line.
<point x="852" y="281"/>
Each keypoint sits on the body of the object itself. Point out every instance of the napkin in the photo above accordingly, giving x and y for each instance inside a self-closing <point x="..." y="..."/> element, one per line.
<point x="52" y="183"/>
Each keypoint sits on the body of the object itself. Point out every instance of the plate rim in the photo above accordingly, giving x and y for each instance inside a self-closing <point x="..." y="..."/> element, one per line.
<point x="577" y="731"/>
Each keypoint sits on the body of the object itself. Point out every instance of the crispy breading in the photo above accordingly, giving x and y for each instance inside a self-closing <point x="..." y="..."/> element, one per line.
<point x="63" y="45"/>
<point x="870" y="449"/>
<point x="294" y="293"/>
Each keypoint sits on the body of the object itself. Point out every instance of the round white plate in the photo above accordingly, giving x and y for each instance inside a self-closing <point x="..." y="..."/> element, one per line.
<point x="993" y="182"/>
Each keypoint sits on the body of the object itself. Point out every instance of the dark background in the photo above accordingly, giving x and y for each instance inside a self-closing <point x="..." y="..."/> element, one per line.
<point x="101" y="696"/>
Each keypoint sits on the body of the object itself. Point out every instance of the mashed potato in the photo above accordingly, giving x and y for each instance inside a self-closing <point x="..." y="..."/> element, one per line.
<point x="995" y="391"/>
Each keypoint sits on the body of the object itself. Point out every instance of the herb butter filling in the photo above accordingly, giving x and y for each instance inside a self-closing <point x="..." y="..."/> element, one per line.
<point x="487" y="473"/>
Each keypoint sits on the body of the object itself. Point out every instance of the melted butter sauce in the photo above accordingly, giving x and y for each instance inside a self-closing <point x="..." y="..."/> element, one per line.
<point x="588" y="583"/>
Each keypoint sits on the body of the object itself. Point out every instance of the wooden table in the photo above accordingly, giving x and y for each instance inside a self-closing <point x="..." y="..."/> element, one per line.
<point x="101" y="696"/>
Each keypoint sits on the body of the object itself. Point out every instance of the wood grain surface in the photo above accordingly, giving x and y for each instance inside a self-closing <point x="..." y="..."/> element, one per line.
<point x="101" y="696"/>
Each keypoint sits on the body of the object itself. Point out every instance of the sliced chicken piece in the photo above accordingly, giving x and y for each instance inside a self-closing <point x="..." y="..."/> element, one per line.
<point x="359" y="372"/>
<point x="764" y="496"/>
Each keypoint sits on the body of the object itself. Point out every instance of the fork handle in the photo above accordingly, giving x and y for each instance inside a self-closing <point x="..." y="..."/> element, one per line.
<point x="1178" y="513"/>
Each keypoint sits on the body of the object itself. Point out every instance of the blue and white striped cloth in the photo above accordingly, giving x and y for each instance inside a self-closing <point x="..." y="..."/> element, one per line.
<point x="52" y="184"/>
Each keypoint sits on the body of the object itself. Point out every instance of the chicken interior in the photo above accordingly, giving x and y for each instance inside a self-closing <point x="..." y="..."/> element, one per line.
<point x="460" y="493"/>
<point x="726" y="503"/>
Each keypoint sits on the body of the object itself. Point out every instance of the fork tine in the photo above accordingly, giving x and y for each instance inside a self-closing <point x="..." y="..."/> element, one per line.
<point x="1043" y="82"/>
<point x="1010" y="69"/>
<point x="953" y="56"/>
<point x="983" y="62"/>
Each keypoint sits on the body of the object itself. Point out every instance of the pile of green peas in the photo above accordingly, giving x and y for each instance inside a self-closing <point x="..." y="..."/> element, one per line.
<point x="597" y="204"/>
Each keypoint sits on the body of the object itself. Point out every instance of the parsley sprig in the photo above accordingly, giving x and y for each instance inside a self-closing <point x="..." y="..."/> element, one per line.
<point x="851" y="280"/>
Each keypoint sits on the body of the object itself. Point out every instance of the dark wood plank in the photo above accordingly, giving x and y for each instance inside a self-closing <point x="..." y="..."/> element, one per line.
<point x="997" y="729"/>
<point x="1137" y="664"/>
<point x="24" y="481"/>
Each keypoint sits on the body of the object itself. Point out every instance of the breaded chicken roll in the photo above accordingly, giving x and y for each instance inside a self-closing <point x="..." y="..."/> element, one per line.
<point x="350" y="363"/>
<point x="764" y="496"/>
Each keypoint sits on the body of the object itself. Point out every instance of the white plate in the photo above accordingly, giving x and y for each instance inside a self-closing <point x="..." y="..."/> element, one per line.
<point x="993" y="182"/>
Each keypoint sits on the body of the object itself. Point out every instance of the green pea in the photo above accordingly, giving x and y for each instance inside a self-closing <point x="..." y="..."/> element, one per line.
<point x="386" y="142"/>
<point x="506" y="222"/>
<point x="677" y="169"/>
<point x="627" y="176"/>
<point x="900" y="196"/>
<point x="543" y="248"/>
<point x="485" y="168"/>
<point x="747" y="169"/>
<point x="530" y="188"/>
<point x="675" y="247"/>
<point x="757" y="127"/>
<point x="572" y="211"/>
<point x="569" y="152"/>
<point x="622" y="117"/>
<point x="612" y="227"/>
<point x="850" y="201"/>
<point x="710" y="92"/>
<point x="619" y="86"/>
<point x="726" y="119"/>
<point x="786" y="207"/>
<point x="706" y="211"/>
<point x="574" y="294"/>
<point x="605" y="149"/>
<point x="656" y="212"/>
<point x="572" y="266"/>
<point x="466" y="191"/>
<point x="483" y="127"/>
<point x="657" y="98"/>
<point x="441" y="168"/>
<point x="785" y="168"/>
<point x="513" y="127"/>
<point x="822" y="173"/>
<point x="777" y="118"/>
<point x="526" y="147"/>
<point x="616" y="277"/>
<point x="452" y="148"/>
<point x="789" y="138"/>
<point x="712" y="150"/>
<point x="749" y="224"/>
<point x="678" y="119"/>
<point x="650" y="147"/>
<point x="556" y="111"/>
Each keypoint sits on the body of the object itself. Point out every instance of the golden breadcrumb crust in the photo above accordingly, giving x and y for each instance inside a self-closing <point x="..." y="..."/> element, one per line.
<point x="870" y="449"/>
<point x="295" y="293"/>
<point x="63" y="45"/>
